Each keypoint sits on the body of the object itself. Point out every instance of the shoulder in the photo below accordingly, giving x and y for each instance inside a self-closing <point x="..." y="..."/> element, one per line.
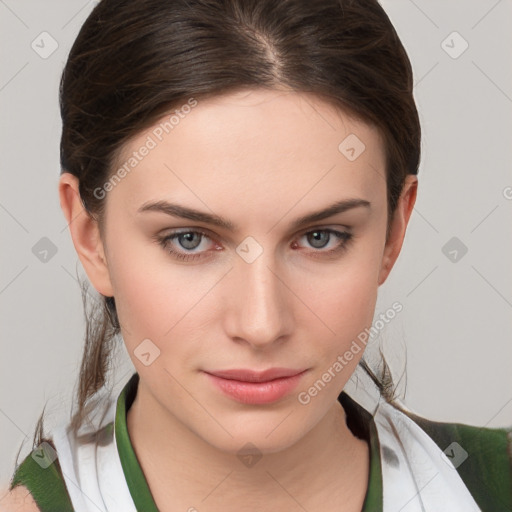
<point x="37" y="483"/>
<point x="18" y="499"/>
<point x="481" y="455"/>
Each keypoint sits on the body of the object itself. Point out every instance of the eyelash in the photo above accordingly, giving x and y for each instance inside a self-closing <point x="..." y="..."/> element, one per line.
<point x="345" y="236"/>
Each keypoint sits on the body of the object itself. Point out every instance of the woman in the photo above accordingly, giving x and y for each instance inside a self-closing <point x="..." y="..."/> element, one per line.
<point x="238" y="177"/>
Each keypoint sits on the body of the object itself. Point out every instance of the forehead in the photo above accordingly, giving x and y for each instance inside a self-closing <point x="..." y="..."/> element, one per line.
<point x="269" y="144"/>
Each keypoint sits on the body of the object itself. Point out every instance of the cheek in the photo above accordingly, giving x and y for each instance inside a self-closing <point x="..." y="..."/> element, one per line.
<point x="349" y="287"/>
<point x="344" y="300"/>
<point x="159" y="299"/>
<point x="147" y="297"/>
<point x="152" y="302"/>
<point x="346" y="307"/>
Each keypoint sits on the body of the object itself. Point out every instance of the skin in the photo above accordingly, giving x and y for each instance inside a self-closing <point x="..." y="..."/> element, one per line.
<point x="260" y="159"/>
<point x="17" y="500"/>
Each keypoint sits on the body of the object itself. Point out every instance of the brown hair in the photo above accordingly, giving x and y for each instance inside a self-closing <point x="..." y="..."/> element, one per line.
<point x="136" y="60"/>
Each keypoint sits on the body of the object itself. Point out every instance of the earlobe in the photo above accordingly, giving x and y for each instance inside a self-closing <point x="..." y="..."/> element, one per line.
<point x="398" y="226"/>
<point x="85" y="234"/>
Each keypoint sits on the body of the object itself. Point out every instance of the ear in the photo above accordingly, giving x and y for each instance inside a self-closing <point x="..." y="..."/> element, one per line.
<point x="398" y="226"/>
<point x="85" y="234"/>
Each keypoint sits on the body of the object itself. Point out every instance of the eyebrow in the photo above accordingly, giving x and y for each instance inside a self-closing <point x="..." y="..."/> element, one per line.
<point x="176" y="210"/>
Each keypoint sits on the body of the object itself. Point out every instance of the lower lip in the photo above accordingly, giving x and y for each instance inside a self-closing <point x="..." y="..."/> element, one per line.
<point x="257" y="392"/>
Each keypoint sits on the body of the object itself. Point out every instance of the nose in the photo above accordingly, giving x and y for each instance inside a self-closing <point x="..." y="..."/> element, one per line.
<point x="261" y="305"/>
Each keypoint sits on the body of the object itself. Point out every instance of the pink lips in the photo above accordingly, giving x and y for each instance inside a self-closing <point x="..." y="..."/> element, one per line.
<point x="250" y="387"/>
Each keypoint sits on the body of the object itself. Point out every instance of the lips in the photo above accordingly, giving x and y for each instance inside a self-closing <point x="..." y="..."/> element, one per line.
<point x="256" y="387"/>
<point x="255" y="376"/>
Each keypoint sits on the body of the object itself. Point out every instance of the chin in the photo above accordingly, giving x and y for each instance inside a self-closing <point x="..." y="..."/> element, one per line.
<point x="265" y="432"/>
<point x="254" y="443"/>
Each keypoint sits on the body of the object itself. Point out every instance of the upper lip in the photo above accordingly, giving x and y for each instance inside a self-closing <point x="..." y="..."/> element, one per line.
<point x="256" y="376"/>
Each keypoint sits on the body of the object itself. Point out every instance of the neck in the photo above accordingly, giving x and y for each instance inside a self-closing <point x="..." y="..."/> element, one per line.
<point x="327" y="468"/>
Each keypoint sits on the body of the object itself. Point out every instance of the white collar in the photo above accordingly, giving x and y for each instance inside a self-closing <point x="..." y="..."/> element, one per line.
<point x="417" y="476"/>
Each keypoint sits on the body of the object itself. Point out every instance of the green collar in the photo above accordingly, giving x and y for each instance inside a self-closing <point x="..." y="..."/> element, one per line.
<point x="359" y="420"/>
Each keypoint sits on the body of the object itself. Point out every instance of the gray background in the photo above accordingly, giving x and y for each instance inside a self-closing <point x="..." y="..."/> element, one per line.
<point x="456" y="323"/>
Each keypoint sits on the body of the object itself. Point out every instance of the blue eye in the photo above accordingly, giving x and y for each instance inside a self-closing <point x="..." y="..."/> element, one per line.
<point x="319" y="238"/>
<point x="191" y="239"/>
<point x="188" y="240"/>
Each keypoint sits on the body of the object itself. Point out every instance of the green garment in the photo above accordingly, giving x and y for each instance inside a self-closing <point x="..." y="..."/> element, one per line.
<point x="487" y="472"/>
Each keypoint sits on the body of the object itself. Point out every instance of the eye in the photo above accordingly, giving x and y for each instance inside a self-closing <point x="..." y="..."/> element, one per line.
<point x="320" y="238"/>
<point x="188" y="240"/>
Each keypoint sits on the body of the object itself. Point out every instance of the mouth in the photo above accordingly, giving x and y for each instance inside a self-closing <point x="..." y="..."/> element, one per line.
<point x="253" y="387"/>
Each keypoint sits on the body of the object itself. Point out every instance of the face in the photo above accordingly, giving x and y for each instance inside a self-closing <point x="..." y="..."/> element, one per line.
<point x="261" y="289"/>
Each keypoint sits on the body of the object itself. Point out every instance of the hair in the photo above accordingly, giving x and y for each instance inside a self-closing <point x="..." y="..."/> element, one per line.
<point x="135" y="60"/>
